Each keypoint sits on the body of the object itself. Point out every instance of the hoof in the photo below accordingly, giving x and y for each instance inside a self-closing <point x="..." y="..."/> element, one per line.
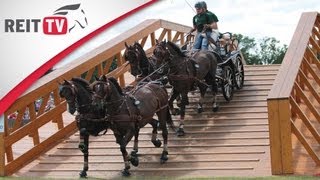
<point x="157" y="143"/>
<point x="180" y="132"/>
<point x="134" y="161"/>
<point x="125" y="173"/>
<point x="175" y="111"/>
<point x="164" y="157"/>
<point x="83" y="174"/>
<point x="82" y="147"/>
<point x="200" y="110"/>
<point x="179" y="103"/>
<point x="215" y="109"/>
<point x="134" y="153"/>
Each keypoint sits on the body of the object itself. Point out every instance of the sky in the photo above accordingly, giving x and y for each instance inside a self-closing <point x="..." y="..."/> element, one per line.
<point x="256" y="19"/>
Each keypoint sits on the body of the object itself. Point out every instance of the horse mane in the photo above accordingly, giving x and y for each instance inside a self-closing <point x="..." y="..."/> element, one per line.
<point x="83" y="83"/>
<point x="176" y="48"/>
<point x="116" y="84"/>
<point x="144" y="60"/>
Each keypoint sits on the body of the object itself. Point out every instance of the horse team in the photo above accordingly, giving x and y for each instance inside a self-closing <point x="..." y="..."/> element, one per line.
<point x="104" y="105"/>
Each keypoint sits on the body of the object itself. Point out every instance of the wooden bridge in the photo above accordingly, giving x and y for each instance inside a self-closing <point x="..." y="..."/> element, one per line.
<point x="270" y="127"/>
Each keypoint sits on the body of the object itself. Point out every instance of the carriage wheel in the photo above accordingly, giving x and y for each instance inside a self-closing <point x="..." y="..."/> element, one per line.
<point x="227" y="83"/>
<point x="239" y="73"/>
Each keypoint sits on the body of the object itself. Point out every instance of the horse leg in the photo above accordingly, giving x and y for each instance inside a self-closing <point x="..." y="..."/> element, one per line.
<point x="184" y="101"/>
<point x="162" y="118"/>
<point x="173" y="96"/>
<point x="134" y="152"/>
<point x="178" y="98"/>
<point x="156" y="142"/>
<point x="123" y="141"/>
<point x="215" y="105"/>
<point x="84" y="147"/>
<point x="203" y="89"/>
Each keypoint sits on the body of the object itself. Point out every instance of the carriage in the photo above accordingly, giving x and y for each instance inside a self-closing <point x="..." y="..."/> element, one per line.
<point x="230" y="70"/>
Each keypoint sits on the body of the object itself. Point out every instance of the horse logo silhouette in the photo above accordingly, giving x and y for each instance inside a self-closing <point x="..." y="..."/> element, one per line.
<point x="75" y="15"/>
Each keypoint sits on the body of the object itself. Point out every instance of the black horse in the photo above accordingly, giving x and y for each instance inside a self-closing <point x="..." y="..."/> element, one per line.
<point x="187" y="72"/>
<point x="90" y="120"/>
<point x="142" y="66"/>
<point x="127" y="113"/>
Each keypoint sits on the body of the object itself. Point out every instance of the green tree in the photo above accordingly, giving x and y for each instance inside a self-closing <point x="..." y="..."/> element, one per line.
<point x="265" y="51"/>
<point x="271" y="52"/>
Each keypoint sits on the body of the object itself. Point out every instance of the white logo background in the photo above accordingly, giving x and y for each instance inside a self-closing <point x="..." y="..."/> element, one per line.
<point x="24" y="52"/>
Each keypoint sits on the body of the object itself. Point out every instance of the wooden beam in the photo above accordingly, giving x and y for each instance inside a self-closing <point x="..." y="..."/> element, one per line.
<point x="280" y="136"/>
<point x="304" y="142"/>
<point x="40" y="148"/>
<point x="305" y="119"/>
<point x="309" y="86"/>
<point x="308" y="103"/>
<point x="289" y="69"/>
<point x="163" y="33"/>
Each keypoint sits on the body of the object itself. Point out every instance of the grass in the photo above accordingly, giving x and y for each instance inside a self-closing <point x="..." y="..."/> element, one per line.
<point x="174" y="178"/>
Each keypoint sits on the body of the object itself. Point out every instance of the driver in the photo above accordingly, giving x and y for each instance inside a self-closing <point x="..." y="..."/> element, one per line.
<point x="213" y="26"/>
<point x="200" y="20"/>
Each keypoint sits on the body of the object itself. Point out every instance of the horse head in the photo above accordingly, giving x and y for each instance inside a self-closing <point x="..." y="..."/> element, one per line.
<point x="106" y="91"/>
<point x="131" y="55"/>
<point x="160" y="52"/>
<point x="68" y="91"/>
<point x="76" y="16"/>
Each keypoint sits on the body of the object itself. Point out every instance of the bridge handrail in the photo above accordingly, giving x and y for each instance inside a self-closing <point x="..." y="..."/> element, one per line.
<point x="295" y="86"/>
<point x="99" y="60"/>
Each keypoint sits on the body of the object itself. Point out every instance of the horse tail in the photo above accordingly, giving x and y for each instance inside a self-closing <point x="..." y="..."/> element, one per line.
<point x="170" y="121"/>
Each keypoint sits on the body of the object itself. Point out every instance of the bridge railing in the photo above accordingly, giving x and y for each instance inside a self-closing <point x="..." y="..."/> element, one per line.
<point x="25" y="136"/>
<point x="294" y="100"/>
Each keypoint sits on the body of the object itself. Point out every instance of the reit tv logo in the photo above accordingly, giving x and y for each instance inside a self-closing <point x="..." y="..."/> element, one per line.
<point x="63" y="21"/>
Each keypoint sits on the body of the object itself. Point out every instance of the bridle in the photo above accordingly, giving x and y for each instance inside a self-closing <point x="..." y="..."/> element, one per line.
<point x="107" y="93"/>
<point x="74" y="92"/>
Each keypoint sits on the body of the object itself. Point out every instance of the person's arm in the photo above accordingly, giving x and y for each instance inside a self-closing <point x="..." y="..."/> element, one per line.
<point x="214" y="25"/>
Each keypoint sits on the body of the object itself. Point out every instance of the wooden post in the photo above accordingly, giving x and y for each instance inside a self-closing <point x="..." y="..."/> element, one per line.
<point x="2" y="150"/>
<point x="280" y="136"/>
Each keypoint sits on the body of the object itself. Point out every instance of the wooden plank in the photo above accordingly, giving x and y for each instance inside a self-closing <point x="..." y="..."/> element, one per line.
<point x="304" y="142"/>
<point x="143" y="41"/>
<point x="274" y="135"/>
<point x="100" y="69"/>
<point x="310" y="106"/>
<point x="280" y="136"/>
<point x="120" y="63"/>
<point x="289" y="68"/>
<point x="311" y="71"/>
<point x="153" y="39"/>
<point x="175" y="26"/>
<point x="18" y="120"/>
<point x="108" y="65"/>
<point x="310" y="87"/>
<point x="285" y="138"/>
<point x="25" y="130"/>
<point x="305" y="120"/>
<point x="163" y="33"/>
<point x="40" y="148"/>
<point x="169" y="35"/>
<point x="43" y="104"/>
<point x="90" y="73"/>
<point x="34" y="133"/>
<point x="182" y="39"/>
<point x="298" y="57"/>
<point x="175" y="37"/>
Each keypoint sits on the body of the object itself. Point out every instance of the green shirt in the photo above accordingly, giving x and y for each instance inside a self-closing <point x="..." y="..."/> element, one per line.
<point x="200" y="20"/>
<point x="212" y="16"/>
